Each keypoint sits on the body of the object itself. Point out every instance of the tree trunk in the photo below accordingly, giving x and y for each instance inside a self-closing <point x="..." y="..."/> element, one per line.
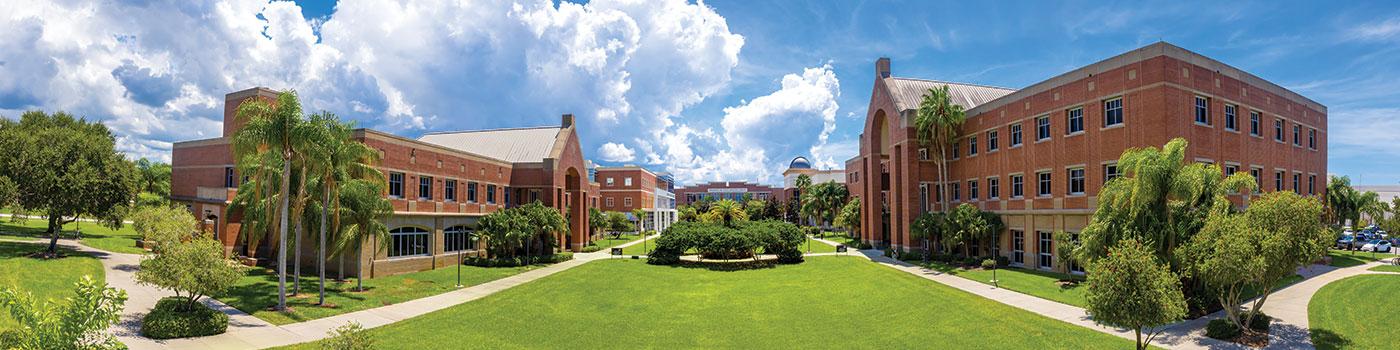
<point x="296" y="259"/>
<point x="321" y="251"/>
<point x="54" y="229"/>
<point x="360" y="268"/>
<point x="1137" y="333"/>
<point x="282" y="235"/>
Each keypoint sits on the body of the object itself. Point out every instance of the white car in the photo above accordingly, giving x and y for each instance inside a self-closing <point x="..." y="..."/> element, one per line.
<point x="1376" y="246"/>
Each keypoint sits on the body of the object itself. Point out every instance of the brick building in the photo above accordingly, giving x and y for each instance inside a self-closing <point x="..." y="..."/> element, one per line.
<point x="801" y="166"/>
<point x="1038" y="155"/>
<point x="629" y="187"/>
<point x="439" y="184"/>
<point x="732" y="190"/>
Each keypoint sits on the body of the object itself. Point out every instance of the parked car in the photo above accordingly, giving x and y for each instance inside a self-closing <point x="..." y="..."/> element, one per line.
<point x="1345" y="242"/>
<point x="1376" y="246"/>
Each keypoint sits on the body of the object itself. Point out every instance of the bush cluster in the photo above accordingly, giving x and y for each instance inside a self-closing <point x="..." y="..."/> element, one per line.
<point x="716" y="241"/>
<point x="518" y="261"/>
<point x="169" y="319"/>
<point x="1225" y="330"/>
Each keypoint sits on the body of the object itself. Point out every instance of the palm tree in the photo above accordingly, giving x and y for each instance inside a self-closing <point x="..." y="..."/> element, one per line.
<point x="342" y="159"/>
<point x="726" y="212"/>
<point x="276" y="129"/>
<point x="936" y="124"/>
<point x="361" y="208"/>
<point x="257" y="198"/>
<point x="639" y="214"/>
<point x="804" y="183"/>
<point x="925" y="228"/>
<point x="849" y="218"/>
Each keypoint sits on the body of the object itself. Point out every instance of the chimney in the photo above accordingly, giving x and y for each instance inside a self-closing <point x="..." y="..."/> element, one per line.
<point x="882" y="68"/>
<point x="568" y="120"/>
<point x="233" y="99"/>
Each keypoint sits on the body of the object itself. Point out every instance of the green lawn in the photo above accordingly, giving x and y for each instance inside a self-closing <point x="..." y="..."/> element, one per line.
<point x="637" y="249"/>
<point x="1386" y="268"/>
<point x="1345" y="258"/>
<point x="1355" y="313"/>
<point x="1041" y="284"/>
<point x="826" y="302"/>
<point x="813" y="246"/>
<point x="256" y="293"/>
<point x="94" y="235"/>
<point x="45" y="278"/>
<point x="816" y="247"/>
<point x="609" y="242"/>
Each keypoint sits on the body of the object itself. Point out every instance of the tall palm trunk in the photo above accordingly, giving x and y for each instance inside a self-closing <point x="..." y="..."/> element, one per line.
<point x="321" y="251"/>
<point x="282" y="233"/>
<point x="296" y="259"/>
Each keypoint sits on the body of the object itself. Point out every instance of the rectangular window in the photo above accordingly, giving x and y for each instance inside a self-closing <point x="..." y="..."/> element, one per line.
<point x="972" y="146"/>
<point x="956" y="149"/>
<point x="1047" y="245"/>
<point x="458" y="238"/>
<point x="449" y="190"/>
<point x="1297" y="135"/>
<point x="627" y="182"/>
<point x="1043" y="184"/>
<point x="1015" y="135"/>
<point x="992" y="141"/>
<point x="228" y="178"/>
<point x="957" y="192"/>
<point x="1278" y="130"/>
<point x="1074" y="120"/>
<point x="972" y="189"/>
<point x="610" y="181"/>
<point x="609" y="202"/>
<point x="1076" y="181"/>
<point x="1230" y="117"/>
<point x="1231" y="169"/>
<point x="1278" y="181"/>
<point x="1312" y="138"/>
<point x="425" y="188"/>
<point x="471" y="192"/>
<point x="1202" y="110"/>
<point x="923" y="154"/>
<point x="1254" y="123"/>
<point x="1018" y="247"/>
<point x="1312" y="182"/>
<point x="627" y="202"/>
<point x="993" y="188"/>
<point x="408" y="241"/>
<point x="1113" y="112"/>
<point x="1258" y="175"/>
<point x="923" y="198"/>
<point x="491" y="194"/>
<point x="396" y="185"/>
<point x="1110" y="172"/>
<point x="1042" y="128"/>
<point x="1297" y="183"/>
<point x="1017" y="186"/>
<point x="505" y="196"/>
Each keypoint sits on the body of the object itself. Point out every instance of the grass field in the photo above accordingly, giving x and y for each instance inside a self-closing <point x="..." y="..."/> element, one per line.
<point x="1349" y="258"/>
<point x="609" y="242"/>
<point x="816" y="247"/>
<point x="1041" y="284"/>
<point x="122" y="240"/>
<point x="1386" y="268"/>
<point x="256" y="293"/>
<point x="1355" y="313"/>
<point x="45" y="278"/>
<point x="826" y="302"/>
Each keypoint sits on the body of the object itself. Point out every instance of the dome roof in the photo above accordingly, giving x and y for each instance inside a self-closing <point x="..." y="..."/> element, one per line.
<point x="800" y="163"/>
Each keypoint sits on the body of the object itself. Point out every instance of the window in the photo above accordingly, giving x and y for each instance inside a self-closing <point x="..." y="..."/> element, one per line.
<point x="1046" y="245"/>
<point x="957" y="192"/>
<point x="993" y="188"/>
<point x="923" y="198"/>
<point x="1312" y="138"/>
<point x="1076" y="181"/>
<point x="228" y="178"/>
<point x="1042" y="128"/>
<point x="956" y="149"/>
<point x="471" y="192"/>
<point x="1018" y="247"/>
<point x="1231" y="169"/>
<point x="1312" y="182"/>
<point x="505" y="196"/>
<point x="1202" y="110"/>
<point x="1110" y="172"/>
<point x="923" y="154"/>
<point x="1113" y="112"/>
<point x="1258" y="175"/>
<point x="425" y="188"/>
<point x="1017" y="182"/>
<point x="1074" y="267"/>
<point x="1297" y="135"/>
<point x="1015" y="135"/>
<point x="627" y="182"/>
<point x="408" y="241"/>
<point x="1278" y="180"/>
<point x="1230" y="117"/>
<point x="449" y="190"/>
<point x="972" y="146"/>
<point x="992" y="141"/>
<point x="1043" y="184"/>
<point x="610" y="181"/>
<point x="972" y="189"/>
<point x="1254" y="123"/>
<point x="1278" y="130"/>
<point x="609" y="202"/>
<point x="458" y="238"/>
<point x="396" y="185"/>
<point x="1297" y="184"/>
<point x="491" y="194"/>
<point x="1074" y="120"/>
<point x="627" y="202"/>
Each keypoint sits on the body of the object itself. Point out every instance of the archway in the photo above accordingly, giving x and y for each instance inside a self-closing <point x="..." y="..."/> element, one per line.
<point x="576" y="209"/>
<point x="877" y="169"/>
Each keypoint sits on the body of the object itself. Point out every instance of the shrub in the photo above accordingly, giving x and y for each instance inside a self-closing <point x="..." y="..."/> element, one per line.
<point x="518" y="261"/>
<point x="1260" y="323"/>
<point x="715" y="241"/>
<point x="592" y="248"/>
<point x="1221" y="329"/>
<point x="970" y="261"/>
<point x="989" y="264"/>
<point x="351" y="336"/>
<point x="811" y="231"/>
<point x="174" y="318"/>
<point x="1003" y="261"/>
<point x="81" y="323"/>
<point x="864" y="246"/>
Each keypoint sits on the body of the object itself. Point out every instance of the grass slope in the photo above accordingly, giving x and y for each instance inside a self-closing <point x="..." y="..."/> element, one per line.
<point x="46" y="279"/>
<point x="256" y="293"/>
<point x="1355" y="313"/>
<point x="826" y="302"/>
<point x="1037" y="283"/>
<point x="121" y="240"/>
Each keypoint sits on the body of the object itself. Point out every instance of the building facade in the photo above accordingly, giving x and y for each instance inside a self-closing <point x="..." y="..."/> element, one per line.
<point x="629" y="187"/>
<point x="1038" y="155"/>
<point x="731" y="190"/>
<point x="439" y="185"/>
<point x="801" y="166"/>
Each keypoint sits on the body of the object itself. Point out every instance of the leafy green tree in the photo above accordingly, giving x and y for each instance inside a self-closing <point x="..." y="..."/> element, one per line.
<point x="822" y="201"/>
<point x="80" y="324"/>
<point x="186" y="261"/>
<point x="361" y="212"/>
<point x="849" y="218"/>
<point x="617" y="221"/>
<point x="791" y="211"/>
<point x="1065" y="247"/>
<point x="936" y="124"/>
<point x="155" y="176"/>
<point x="928" y="227"/>
<point x="8" y="192"/>
<point x="726" y="212"/>
<point x="1129" y="288"/>
<point x="754" y="208"/>
<point x="597" y="220"/>
<point x="641" y="218"/>
<point x="965" y="224"/>
<point x="772" y="209"/>
<point x="689" y="214"/>
<point x="66" y="167"/>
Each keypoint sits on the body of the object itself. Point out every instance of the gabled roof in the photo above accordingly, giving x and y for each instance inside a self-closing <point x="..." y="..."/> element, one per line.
<point x="520" y="145"/>
<point x="908" y="92"/>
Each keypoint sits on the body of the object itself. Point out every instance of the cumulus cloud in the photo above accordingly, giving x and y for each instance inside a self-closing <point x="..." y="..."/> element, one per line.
<point x="616" y="152"/>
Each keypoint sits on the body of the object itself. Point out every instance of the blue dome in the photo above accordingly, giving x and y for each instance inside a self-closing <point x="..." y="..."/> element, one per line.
<point x="800" y="163"/>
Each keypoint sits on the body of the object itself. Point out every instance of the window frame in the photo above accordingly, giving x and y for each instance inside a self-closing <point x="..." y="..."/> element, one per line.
<point x="1044" y="184"/>
<point x="1018" y="185"/>
<point x="1074" y="122"/>
<point x="425" y="182"/>
<point x="449" y="190"/>
<point x="468" y="243"/>
<point x="1201" y="110"/>
<point x="972" y="145"/>
<point x="1108" y="112"/>
<point x="490" y="193"/>
<point x="1256" y="123"/>
<point x="992" y="140"/>
<point x="471" y="191"/>
<point x="400" y="247"/>
<point x="1042" y="129"/>
<point x="396" y="185"/>
<point x="1045" y="253"/>
<point x="1230" y="122"/>
<point x="972" y="189"/>
<point x="1015" y="130"/>
<point x="1072" y="179"/>
<point x="993" y="188"/>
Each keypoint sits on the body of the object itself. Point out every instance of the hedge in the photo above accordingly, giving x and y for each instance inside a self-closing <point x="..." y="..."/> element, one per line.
<point x="1225" y="330"/>
<point x="518" y="261"/>
<point x="168" y="321"/>
<point x="716" y="241"/>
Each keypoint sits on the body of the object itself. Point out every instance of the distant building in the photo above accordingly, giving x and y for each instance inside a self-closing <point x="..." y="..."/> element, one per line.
<point x="1384" y="194"/>
<point x="801" y="166"/>
<point x="736" y="190"/>
<point x="629" y="187"/>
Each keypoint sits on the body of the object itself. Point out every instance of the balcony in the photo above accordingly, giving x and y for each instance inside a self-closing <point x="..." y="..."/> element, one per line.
<point x="221" y="194"/>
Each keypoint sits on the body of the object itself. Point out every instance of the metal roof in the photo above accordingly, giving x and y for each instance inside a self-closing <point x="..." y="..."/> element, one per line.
<point x="908" y="92"/>
<point x="523" y="145"/>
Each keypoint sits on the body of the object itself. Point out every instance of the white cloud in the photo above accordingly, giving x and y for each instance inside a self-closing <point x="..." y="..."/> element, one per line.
<point x="616" y="152"/>
<point x="1369" y="132"/>
<point x="1381" y="30"/>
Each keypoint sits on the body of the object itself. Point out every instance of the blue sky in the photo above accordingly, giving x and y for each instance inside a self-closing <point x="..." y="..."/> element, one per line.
<point x="724" y="90"/>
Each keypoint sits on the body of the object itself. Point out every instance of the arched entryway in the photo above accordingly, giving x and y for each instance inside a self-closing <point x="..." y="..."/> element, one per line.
<point x="876" y="210"/>
<point x="575" y="209"/>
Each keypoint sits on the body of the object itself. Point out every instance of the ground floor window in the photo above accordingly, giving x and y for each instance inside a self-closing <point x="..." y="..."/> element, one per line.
<point x="1046" y="247"/>
<point x="1018" y="246"/>
<point x="408" y="241"/>
<point x="1074" y="266"/>
<point x="458" y="238"/>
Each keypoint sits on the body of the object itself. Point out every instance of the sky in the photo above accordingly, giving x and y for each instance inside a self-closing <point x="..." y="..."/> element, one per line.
<point x="709" y="91"/>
